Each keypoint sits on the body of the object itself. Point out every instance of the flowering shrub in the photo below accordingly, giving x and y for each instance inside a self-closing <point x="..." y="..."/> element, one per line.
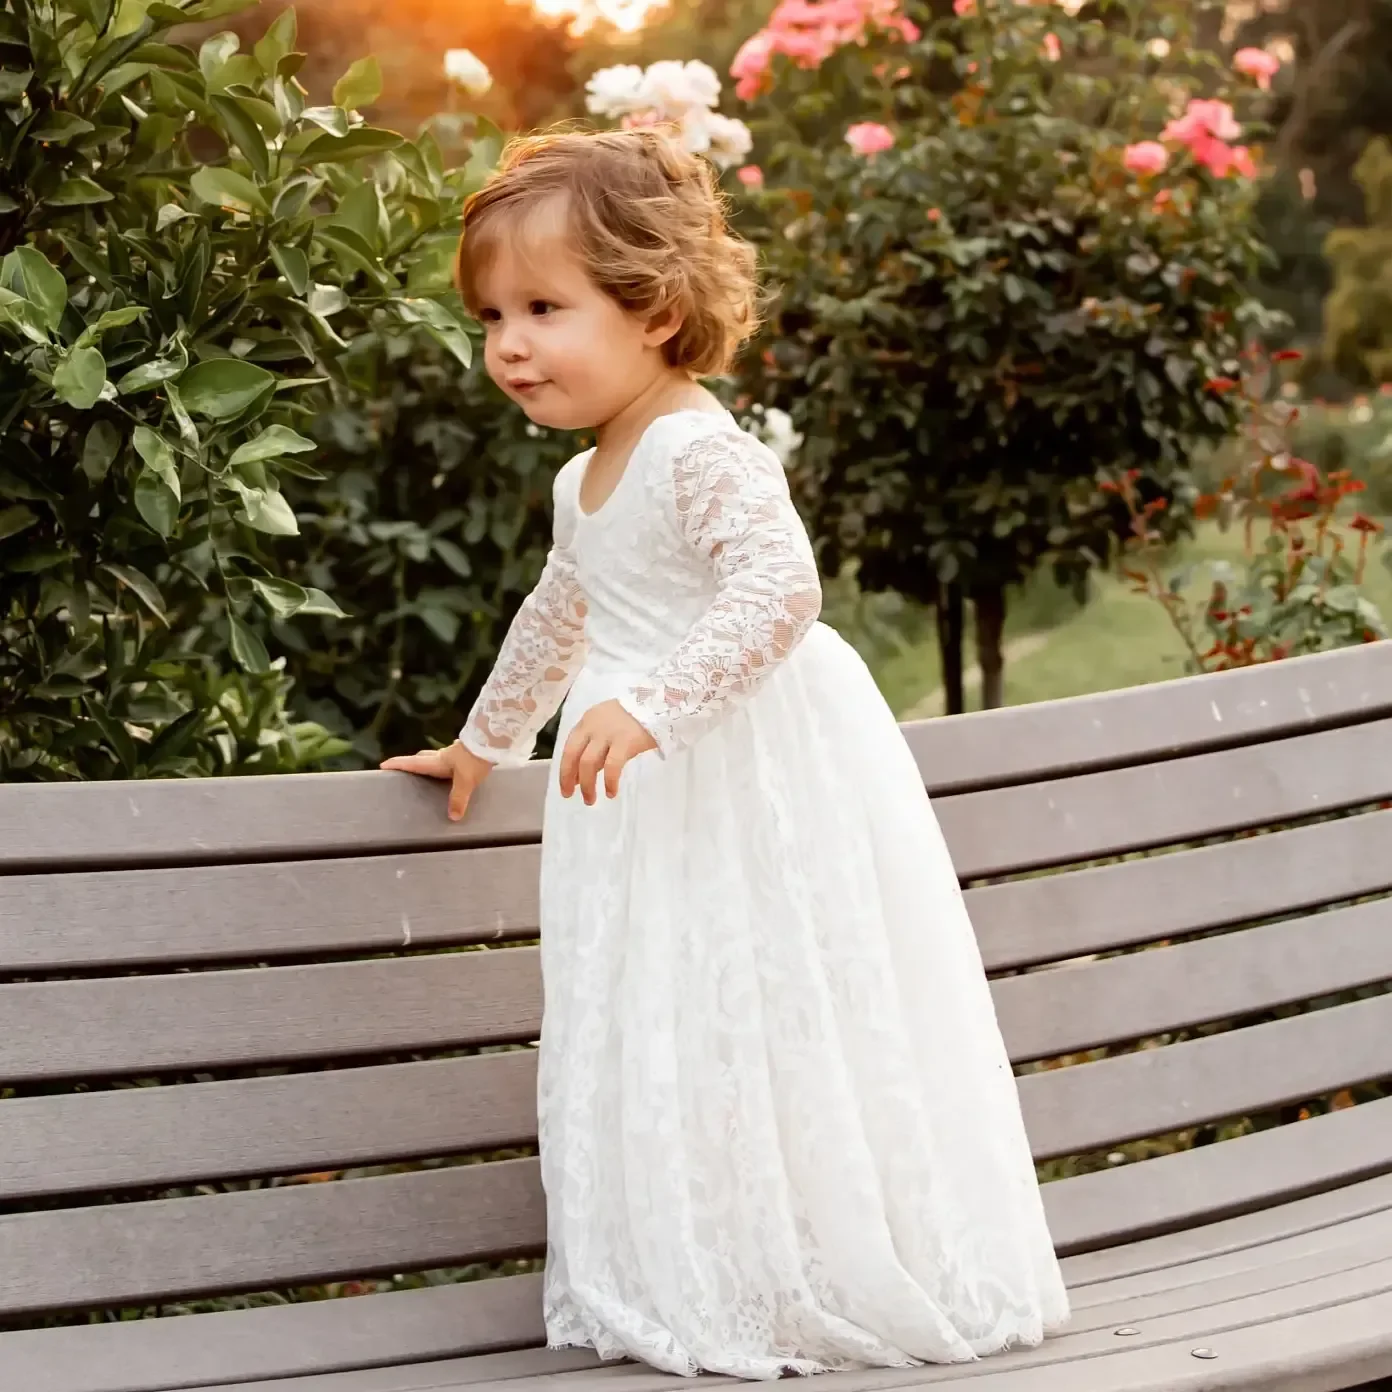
<point x="1009" y="257"/>
<point x="1305" y="557"/>
<point x="681" y="94"/>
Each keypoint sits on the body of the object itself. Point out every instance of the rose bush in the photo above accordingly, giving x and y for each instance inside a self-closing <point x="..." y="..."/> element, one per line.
<point x="1011" y="250"/>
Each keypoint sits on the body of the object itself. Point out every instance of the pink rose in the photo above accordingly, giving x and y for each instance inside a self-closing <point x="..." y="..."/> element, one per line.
<point x="1053" y="50"/>
<point x="751" y="176"/>
<point x="1257" y="63"/>
<point x="751" y="66"/>
<point x="963" y="7"/>
<point x="869" y="138"/>
<point x="1203" y="118"/>
<point x="1146" y="157"/>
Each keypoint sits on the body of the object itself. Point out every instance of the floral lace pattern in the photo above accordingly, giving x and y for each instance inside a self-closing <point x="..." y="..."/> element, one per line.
<point x="732" y="506"/>
<point x="543" y="650"/>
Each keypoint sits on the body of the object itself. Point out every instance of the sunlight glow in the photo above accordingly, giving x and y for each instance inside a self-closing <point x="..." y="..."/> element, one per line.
<point x="626" y="15"/>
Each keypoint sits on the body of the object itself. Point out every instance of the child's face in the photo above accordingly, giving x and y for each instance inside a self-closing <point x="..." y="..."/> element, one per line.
<point x="570" y="356"/>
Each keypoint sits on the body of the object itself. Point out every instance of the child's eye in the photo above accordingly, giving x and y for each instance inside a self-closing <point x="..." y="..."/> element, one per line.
<point x="541" y="307"/>
<point x="489" y="316"/>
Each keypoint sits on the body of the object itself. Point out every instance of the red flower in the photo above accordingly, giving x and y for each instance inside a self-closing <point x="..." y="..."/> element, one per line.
<point x="1220" y="385"/>
<point x="1363" y="523"/>
<point x="1287" y="355"/>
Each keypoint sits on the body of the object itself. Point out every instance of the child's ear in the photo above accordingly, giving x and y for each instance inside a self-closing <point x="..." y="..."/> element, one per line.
<point x="663" y="326"/>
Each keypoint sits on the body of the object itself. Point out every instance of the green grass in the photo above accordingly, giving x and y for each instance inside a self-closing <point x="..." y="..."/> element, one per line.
<point x="1117" y="639"/>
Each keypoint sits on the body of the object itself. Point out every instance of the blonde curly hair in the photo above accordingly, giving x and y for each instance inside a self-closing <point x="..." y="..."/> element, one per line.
<point x="648" y="221"/>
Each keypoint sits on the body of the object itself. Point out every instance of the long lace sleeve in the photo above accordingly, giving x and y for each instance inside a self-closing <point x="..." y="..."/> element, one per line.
<point x="733" y="506"/>
<point x="543" y="650"/>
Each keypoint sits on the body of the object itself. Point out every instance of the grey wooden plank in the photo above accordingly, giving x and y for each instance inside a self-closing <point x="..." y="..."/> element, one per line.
<point x="188" y="1020"/>
<point x="297" y="908"/>
<point x="290" y="1124"/>
<point x="1052" y="917"/>
<point x="210" y="821"/>
<point x="1067" y="1009"/>
<point x="1113" y="728"/>
<point x="1154" y="1091"/>
<point x="1095" y="815"/>
<point x="1339" y="1247"/>
<point x="1338" y="1325"/>
<point x="459" y="1323"/>
<point x="326" y="1120"/>
<point x="126" y="1254"/>
<point x="1192" y="1187"/>
<point x="1246" y="1232"/>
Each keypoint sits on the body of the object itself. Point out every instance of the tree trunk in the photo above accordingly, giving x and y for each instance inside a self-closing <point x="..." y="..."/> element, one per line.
<point x="950" y="627"/>
<point x="989" y="605"/>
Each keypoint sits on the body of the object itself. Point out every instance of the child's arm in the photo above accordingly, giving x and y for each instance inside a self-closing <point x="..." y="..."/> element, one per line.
<point x="733" y="505"/>
<point x="543" y="650"/>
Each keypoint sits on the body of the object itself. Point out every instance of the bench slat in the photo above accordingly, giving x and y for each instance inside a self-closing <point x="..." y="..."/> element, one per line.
<point x="298" y="908"/>
<point x="219" y="1019"/>
<point x="1051" y="917"/>
<point x="280" y="1341"/>
<point x="292" y="1124"/>
<point x="1103" y="814"/>
<point x="128" y="1254"/>
<point x="1063" y="1010"/>
<point x="210" y="821"/>
<point x="1049" y="739"/>
<point x="1215" y="1182"/>
<point x="1155" y="1091"/>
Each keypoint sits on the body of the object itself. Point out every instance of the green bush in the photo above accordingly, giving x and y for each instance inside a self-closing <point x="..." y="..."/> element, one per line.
<point x="431" y="527"/>
<point x="980" y="317"/>
<point x="189" y="251"/>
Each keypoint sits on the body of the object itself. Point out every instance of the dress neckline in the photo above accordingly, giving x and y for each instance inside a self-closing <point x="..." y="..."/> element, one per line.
<point x="721" y="415"/>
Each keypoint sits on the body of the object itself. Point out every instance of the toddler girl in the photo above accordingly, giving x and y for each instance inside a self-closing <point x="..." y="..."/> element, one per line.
<point x="779" y="1131"/>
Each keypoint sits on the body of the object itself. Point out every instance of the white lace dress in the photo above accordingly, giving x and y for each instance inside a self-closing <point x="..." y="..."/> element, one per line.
<point x="778" y="1127"/>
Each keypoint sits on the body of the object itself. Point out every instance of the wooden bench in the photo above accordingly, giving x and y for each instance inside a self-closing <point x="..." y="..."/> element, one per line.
<point x="270" y="950"/>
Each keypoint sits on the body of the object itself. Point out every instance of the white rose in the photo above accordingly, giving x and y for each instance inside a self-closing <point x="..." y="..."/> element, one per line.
<point x="467" y="71"/>
<point x="730" y="140"/>
<point x="696" y="130"/>
<point x="776" y="431"/>
<point x="672" y="88"/>
<point x="614" y="91"/>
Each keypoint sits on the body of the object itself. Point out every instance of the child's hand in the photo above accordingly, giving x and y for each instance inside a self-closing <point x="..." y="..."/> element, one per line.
<point x="606" y="737"/>
<point x="462" y="768"/>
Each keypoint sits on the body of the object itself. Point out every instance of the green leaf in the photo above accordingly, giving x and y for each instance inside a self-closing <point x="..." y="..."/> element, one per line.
<point x="14" y="520"/>
<point x="225" y="188"/>
<point x="273" y="442"/>
<point x="111" y="319"/>
<point x="58" y="127"/>
<point x="159" y="457"/>
<point x="328" y="300"/>
<point x="294" y="266"/>
<point x="141" y="586"/>
<point x="27" y="318"/>
<point x="14" y="84"/>
<point x="361" y="212"/>
<point x="157" y="370"/>
<point x="223" y="387"/>
<point x="80" y="377"/>
<point x="44" y="284"/>
<point x="284" y="598"/>
<point x="99" y="449"/>
<point x="248" y="651"/>
<point x="333" y="119"/>
<point x="360" y="86"/>
<point x="8" y="204"/>
<point x="216" y="50"/>
<point x="188" y="432"/>
<point x="277" y="41"/>
<point x="318" y="602"/>
<point x="365" y="140"/>
<point x="266" y="510"/>
<point x="440" y="324"/>
<point x="156" y="503"/>
<point x="346" y="243"/>
<point x="78" y="192"/>
<point x="245" y="133"/>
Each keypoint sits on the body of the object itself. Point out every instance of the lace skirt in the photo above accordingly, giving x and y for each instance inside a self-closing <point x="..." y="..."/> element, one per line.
<point x="779" y="1131"/>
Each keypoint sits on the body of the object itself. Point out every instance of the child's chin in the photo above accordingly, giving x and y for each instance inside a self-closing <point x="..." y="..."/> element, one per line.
<point x="552" y="416"/>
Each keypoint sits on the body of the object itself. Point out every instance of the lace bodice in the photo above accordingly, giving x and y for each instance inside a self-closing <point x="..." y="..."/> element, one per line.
<point x="695" y="578"/>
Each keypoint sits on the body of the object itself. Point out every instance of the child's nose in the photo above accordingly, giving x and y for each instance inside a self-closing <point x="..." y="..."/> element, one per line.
<point x="512" y="342"/>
